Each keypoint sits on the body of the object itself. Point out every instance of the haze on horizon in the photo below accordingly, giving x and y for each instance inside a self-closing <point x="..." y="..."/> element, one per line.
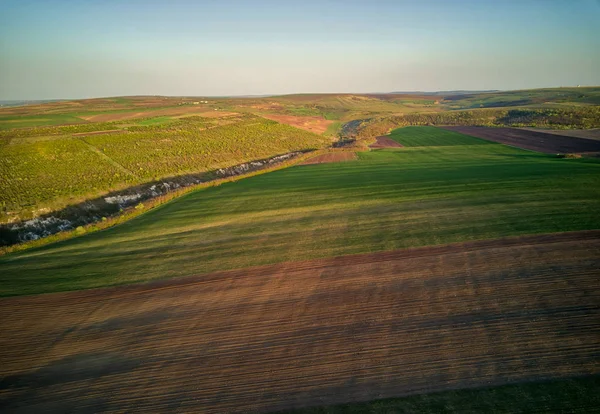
<point x="77" y="49"/>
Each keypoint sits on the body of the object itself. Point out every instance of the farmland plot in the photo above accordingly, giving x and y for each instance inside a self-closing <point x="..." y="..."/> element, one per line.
<point x="328" y="331"/>
<point x="532" y="140"/>
<point x="387" y="199"/>
<point x="71" y="163"/>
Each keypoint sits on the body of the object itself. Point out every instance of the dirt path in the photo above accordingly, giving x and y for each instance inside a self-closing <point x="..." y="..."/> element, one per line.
<point x="531" y="140"/>
<point x="107" y="158"/>
<point x="385" y="142"/>
<point x="311" y="333"/>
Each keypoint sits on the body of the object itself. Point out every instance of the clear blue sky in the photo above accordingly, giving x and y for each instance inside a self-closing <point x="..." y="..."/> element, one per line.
<point x="90" y="48"/>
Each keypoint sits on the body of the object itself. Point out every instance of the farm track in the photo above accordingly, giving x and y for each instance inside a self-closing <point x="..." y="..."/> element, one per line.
<point x="531" y="140"/>
<point x="107" y="158"/>
<point x="319" y="332"/>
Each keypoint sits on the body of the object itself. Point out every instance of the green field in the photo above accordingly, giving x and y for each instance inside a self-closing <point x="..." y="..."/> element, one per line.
<point x="431" y="137"/>
<point x="387" y="199"/>
<point x="155" y="121"/>
<point x="10" y="122"/>
<point x="578" y="395"/>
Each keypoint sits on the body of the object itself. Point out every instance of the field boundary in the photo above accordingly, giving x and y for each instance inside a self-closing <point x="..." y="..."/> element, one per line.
<point x="331" y="262"/>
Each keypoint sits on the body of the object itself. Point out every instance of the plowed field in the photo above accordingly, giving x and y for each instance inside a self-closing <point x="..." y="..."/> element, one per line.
<point x="531" y="140"/>
<point x="578" y="133"/>
<point x="311" y="333"/>
<point x="385" y="142"/>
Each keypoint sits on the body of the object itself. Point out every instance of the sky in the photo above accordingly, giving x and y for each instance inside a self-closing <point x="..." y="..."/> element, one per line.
<point x="53" y="49"/>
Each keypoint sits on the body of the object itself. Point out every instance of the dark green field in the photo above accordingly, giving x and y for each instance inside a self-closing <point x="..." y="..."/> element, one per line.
<point x="431" y="137"/>
<point x="577" y="395"/>
<point x="387" y="199"/>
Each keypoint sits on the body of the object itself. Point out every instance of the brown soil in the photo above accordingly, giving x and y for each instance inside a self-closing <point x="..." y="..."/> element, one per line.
<point x="319" y="332"/>
<point x="531" y="140"/>
<point x="337" y="156"/>
<point x="314" y="124"/>
<point x="385" y="142"/>
<point x="578" y="133"/>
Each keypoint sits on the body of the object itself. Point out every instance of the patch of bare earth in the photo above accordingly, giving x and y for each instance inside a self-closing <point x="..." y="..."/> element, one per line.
<point x="314" y="124"/>
<point x="577" y="133"/>
<point x="318" y="332"/>
<point x="385" y="142"/>
<point x="531" y="140"/>
<point x="337" y="156"/>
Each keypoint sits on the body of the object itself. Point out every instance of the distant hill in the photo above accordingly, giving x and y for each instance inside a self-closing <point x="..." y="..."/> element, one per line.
<point x="443" y="93"/>
<point x="525" y="97"/>
<point x="27" y="102"/>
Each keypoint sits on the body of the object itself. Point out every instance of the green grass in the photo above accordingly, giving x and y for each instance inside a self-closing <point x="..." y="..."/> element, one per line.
<point x="390" y="199"/>
<point x="159" y="120"/>
<point x="333" y="129"/>
<point x="29" y="121"/>
<point x="431" y="137"/>
<point x="578" y="395"/>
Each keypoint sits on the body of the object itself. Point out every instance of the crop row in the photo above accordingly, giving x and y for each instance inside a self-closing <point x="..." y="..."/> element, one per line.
<point x="34" y="174"/>
<point x="57" y="130"/>
<point x="162" y="152"/>
<point x="197" y="121"/>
